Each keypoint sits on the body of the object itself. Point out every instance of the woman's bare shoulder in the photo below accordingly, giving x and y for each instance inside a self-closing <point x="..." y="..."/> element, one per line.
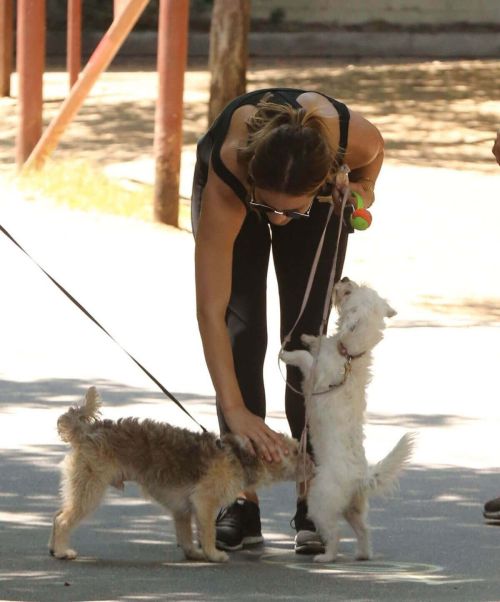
<point x="313" y="101"/>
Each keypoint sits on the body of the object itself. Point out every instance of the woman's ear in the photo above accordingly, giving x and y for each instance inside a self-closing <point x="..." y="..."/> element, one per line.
<point x="250" y="177"/>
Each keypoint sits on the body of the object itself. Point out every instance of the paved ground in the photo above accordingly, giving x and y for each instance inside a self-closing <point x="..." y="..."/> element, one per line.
<point x="433" y="250"/>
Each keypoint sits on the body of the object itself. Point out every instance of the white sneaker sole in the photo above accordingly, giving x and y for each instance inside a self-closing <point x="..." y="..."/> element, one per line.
<point x="308" y="542"/>
<point x="250" y="540"/>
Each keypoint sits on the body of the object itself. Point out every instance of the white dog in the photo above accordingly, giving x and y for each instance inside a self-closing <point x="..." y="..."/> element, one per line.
<point x="343" y="480"/>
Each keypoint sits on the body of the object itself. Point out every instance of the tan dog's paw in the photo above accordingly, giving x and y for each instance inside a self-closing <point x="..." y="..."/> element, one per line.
<point x="194" y="553"/>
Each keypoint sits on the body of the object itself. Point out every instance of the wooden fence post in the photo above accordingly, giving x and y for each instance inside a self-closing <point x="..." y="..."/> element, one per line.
<point x="172" y="58"/>
<point x="30" y="67"/>
<point x="74" y="40"/>
<point x="6" y="45"/>
<point x="98" y="62"/>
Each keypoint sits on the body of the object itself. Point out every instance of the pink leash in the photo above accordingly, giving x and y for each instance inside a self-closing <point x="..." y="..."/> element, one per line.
<point x="308" y="385"/>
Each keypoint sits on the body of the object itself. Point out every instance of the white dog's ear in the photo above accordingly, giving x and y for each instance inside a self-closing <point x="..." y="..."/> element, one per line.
<point x="351" y="320"/>
<point x="351" y="325"/>
<point x="389" y="311"/>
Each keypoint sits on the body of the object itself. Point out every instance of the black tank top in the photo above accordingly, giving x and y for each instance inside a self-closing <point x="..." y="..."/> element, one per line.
<point x="211" y="143"/>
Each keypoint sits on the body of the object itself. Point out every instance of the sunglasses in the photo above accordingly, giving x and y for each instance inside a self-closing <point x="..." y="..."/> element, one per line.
<point x="290" y="213"/>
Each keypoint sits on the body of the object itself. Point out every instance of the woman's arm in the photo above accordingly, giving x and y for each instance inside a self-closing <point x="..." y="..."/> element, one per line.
<point x="221" y="219"/>
<point x="365" y="155"/>
<point x="496" y="148"/>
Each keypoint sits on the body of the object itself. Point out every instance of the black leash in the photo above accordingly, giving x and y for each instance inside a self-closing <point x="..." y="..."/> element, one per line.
<point x="91" y="317"/>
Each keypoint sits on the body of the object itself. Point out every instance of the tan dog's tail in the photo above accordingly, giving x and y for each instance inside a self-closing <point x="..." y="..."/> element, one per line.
<point x="382" y="476"/>
<point x="73" y="425"/>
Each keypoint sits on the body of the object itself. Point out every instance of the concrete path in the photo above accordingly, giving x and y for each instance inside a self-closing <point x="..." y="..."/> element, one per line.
<point x="433" y="250"/>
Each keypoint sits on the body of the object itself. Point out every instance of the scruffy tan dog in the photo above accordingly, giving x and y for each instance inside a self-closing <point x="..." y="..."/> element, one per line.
<point x="188" y="473"/>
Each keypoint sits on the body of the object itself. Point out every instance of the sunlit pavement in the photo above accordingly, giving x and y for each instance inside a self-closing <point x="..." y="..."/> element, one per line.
<point x="433" y="254"/>
<point x="433" y="251"/>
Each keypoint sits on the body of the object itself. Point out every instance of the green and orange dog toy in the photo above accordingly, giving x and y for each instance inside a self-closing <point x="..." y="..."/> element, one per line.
<point x="361" y="218"/>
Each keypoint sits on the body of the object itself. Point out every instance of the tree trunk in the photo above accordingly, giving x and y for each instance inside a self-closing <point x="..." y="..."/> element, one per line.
<point x="228" y="52"/>
<point x="172" y="57"/>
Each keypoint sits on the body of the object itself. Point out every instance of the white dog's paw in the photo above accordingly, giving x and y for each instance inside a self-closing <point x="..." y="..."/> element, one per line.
<point x="217" y="556"/>
<point x="300" y="358"/>
<point x="68" y="554"/>
<point x="324" y="558"/>
<point x="284" y="356"/>
<point x="364" y="552"/>
<point x="308" y="339"/>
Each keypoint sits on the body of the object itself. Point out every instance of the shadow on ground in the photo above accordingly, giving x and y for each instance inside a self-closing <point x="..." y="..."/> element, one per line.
<point x="431" y="113"/>
<point x="128" y="547"/>
<point x="47" y="393"/>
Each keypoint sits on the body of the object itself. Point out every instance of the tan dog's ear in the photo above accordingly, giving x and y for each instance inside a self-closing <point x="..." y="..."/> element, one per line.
<point x="244" y="443"/>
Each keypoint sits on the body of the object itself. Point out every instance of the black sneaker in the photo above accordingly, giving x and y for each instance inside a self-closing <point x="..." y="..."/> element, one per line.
<point x="307" y="540"/>
<point x="238" y="525"/>
<point x="492" y="509"/>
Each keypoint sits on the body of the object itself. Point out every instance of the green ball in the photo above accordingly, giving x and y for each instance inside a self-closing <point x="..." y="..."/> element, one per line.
<point x="360" y="223"/>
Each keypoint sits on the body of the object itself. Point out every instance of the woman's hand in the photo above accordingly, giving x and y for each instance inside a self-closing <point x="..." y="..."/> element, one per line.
<point x="365" y="189"/>
<point x="264" y="441"/>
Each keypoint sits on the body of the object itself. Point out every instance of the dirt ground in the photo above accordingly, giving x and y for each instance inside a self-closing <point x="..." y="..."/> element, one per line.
<point x="431" y="113"/>
<point x="438" y="119"/>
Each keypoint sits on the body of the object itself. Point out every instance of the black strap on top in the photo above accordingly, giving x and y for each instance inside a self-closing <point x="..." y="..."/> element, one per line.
<point x="226" y="175"/>
<point x="91" y="317"/>
<point x="219" y="131"/>
<point x="344" y="117"/>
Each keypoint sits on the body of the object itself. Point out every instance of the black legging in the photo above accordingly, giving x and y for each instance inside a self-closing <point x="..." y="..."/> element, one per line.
<point x="294" y="246"/>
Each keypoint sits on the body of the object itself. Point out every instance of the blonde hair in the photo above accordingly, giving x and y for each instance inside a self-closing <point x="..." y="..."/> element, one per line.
<point x="288" y="149"/>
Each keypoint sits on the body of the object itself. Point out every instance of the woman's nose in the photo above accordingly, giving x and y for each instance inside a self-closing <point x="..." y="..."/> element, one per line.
<point x="278" y="220"/>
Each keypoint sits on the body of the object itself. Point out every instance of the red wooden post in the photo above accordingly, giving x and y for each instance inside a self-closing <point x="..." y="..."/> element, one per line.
<point x="118" y="6"/>
<point x="6" y="44"/>
<point x="74" y="40"/>
<point x="30" y="67"/>
<point x="98" y="62"/>
<point x="172" y="58"/>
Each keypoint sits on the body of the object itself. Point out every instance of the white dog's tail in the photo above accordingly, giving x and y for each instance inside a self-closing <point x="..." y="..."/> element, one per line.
<point x="73" y="425"/>
<point x="382" y="476"/>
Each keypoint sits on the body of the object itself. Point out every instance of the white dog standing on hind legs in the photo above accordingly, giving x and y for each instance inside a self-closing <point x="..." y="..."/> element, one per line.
<point x="340" y="368"/>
